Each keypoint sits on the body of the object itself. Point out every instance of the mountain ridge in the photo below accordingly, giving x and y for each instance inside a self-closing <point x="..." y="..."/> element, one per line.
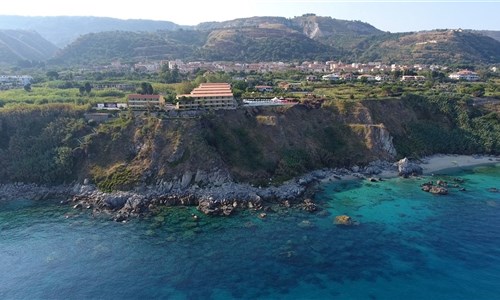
<point x="306" y="37"/>
<point x="63" y="30"/>
<point x="17" y="45"/>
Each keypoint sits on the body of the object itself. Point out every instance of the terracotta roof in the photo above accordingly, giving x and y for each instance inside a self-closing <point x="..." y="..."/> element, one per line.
<point x="206" y="95"/>
<point x="210" y="92"/>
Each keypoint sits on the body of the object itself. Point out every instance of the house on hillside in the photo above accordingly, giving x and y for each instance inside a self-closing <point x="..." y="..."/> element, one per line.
<point x="367" y="77"/>
<point x="290" y="86"/>
<point x="110" y="106"/>
<point x="145" y="102"/>
<point x="264" y="88"/>
<point x="116" y="86"/>
<point x="412" y="78"/>
<point x="464" y="75"/>
<point x="331" y="77"/>
<point x="7" y="81"/>
<point x="311" y="78"/>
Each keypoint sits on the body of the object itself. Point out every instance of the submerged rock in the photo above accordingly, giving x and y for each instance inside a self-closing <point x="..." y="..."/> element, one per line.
<point x="344" y="220"/>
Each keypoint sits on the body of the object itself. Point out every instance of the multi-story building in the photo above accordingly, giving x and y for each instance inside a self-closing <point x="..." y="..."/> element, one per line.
<point x="207" y="96"/>
<point x="145" y="102"/>
<point x="412" y="78"/>
<point x="465" y="75"/>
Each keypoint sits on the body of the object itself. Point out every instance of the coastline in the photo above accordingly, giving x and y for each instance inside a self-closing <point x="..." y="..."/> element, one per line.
<point x="224" y="198"/>
<point x="441" y="162"/>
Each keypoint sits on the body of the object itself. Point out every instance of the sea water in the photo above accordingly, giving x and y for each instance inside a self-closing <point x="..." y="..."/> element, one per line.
<point x="408" y="245"/>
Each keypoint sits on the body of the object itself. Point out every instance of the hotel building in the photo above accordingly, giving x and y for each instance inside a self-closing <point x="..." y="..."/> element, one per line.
<point x="208" y="96"/>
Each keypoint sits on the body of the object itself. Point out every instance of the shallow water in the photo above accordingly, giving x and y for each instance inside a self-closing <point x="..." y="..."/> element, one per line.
<point x="409" y="244"/>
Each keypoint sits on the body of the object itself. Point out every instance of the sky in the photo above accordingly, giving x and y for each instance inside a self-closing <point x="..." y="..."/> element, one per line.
<point x="389" y="15"/>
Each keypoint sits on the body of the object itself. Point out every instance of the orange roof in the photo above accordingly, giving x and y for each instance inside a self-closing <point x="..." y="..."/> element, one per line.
<point x="210" y="92"/>
<point x="214" y="83"/>
<point x="206" y="95"/>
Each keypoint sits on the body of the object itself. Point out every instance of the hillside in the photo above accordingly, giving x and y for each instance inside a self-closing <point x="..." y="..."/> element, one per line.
<point x="131" y="46"/>
<point x="491" y="33"/>
<point x="327" y="30"/>
<point x="53" y="144"/>
<point x="61" y="31"/>
<point x="308" y="37"/>
<point x="263" y="44"/>
<point x="16" y="45"/>
<point x="429" y="47"/>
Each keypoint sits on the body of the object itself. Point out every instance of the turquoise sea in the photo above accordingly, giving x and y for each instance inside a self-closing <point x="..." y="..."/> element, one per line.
<point x="409" y="245"/>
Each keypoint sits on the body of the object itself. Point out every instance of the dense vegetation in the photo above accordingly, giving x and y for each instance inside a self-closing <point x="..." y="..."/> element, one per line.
<point x="38" y="144"/>
<point x="442" y="124"/>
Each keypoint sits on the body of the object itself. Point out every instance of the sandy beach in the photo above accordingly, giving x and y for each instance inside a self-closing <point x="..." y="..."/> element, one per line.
<point x="435" y="163"/>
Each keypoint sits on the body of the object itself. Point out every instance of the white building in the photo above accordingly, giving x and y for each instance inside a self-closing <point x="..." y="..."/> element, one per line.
<point x="207" y="96"/>
<point x="16" y="80"/>
<point x="464" y="75"/>
<point x="331" y="77"/>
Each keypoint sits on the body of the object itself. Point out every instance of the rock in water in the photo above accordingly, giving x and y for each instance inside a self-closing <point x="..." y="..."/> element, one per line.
<point x="343" y="220"/>
<point x="309" y="205"/>
<point x="438" y="190"/>
<point x="407" y="168"/>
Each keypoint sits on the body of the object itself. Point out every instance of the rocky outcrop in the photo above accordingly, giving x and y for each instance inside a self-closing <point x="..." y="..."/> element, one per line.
<point x="214" y="193"/>
<point x="407" y="168"/>
<point x="438" y="189"/>
<point x="345" y="220"/>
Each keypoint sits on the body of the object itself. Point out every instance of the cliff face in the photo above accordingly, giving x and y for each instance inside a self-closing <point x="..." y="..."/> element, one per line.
<point x="257" y="145"/>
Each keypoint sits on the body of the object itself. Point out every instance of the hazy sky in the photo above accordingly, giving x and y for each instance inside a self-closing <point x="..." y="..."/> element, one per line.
<point x="388" y="15"/>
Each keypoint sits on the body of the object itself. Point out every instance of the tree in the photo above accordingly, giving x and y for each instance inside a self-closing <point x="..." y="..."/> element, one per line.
<point x="184" y="87"/>
<point x="52" y="75"/>
<point x="147" y="88"/>
<point x="88" y="87"/>
<point x="27" y="87"/>
<point x="82" y="90"/>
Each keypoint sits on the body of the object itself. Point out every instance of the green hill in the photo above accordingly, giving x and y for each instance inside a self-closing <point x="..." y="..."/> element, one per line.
<point x="429" y="47"/>
<point x="327" y="30"/>
<point x="16" y="45"/>
<point x="263" y="44"/>
<point x="131" y="46"/>
<point x="307" y="37"/>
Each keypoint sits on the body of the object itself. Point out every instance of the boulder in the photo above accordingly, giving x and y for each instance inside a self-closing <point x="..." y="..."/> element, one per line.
<point x="407" y="168"/>
<point x="426" y="188"/>
<point x="438" y="190"/>
<point x="115" y="201"/>
<point x="309" y="205"/>
<point x="442" y="183"/>
<point x="343" y="220"/>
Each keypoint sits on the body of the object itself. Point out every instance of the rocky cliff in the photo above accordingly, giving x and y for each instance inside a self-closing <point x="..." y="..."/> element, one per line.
<point x="259" y="146"/>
